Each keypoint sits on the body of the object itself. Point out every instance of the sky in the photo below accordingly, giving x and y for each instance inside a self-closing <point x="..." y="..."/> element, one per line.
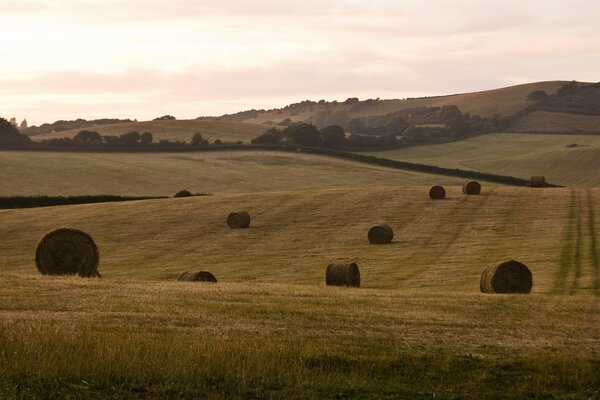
<point x="67" y="59"/>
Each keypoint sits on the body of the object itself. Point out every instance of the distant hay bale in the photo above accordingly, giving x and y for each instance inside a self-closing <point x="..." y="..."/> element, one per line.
<point x="67" y="251"/>
<point x="201" y="276"/>
<point x="506" y="277"/>
<point x="238" y="220"/>
<point x="471" y="188"/>
<point x="342" y="275"/>
<point x="380" y="234"/>
<point x="437" y="193"/>
<point x="537" y="181"/>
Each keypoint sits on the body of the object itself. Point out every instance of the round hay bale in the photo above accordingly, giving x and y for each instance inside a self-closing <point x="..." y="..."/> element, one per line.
<point x="506" y="277"/>
<point x="67" y="251"/>
<point x="238" y="220"/>
<point x="342" y="275"/>
<point x="201" y="276"/>
<point x="537" y="181"/>
<point x="437" y="193"/>
<point x="471" y="188"/>
<point x="380" y="234"/>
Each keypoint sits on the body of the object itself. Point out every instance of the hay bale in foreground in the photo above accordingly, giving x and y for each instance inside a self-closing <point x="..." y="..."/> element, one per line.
<point x="506" y="277"/>
<point x="380" y="234"/>
<point x="472" y="188"/>
<point x="67" y="251"/>
<point x="437" y="193"/>
<point x="201" y="276"/>
<point x="537" y="181"/>
<point x="342" y="275"/>
<point x="238" y="220"/>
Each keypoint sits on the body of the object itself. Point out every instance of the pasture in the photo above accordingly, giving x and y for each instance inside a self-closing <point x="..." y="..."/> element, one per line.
<point x="417" y="328"/>
<point x="175" y="130"/>
<point x="163" y="174"/>
<point x="569" y="160"/>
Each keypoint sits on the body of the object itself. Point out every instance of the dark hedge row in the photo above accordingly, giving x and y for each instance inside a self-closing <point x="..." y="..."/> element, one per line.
<point x="47" y="201"/>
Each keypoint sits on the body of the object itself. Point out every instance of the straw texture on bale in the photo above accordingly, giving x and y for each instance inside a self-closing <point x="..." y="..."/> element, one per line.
<point x="537" y="181"/>
<point x="201" y="276"/>
<point x="67" y="251"/>
<point x="471" y="188"/>
<point x="238" y="220"/>
<point x="437" y="193"/>
<point x="342" y="275"/>
<point x="380" y="234"/>
<point x="506" y="277"/>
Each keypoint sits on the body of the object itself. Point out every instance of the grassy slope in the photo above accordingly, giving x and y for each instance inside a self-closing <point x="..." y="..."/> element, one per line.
<point x="52" y="173"/>
<point x="521" y="155"/>
<point x="505" y="101"/>
<point x="553" y="122"/>
<point x="271" y="329"/>
<point x="181" y="130"/>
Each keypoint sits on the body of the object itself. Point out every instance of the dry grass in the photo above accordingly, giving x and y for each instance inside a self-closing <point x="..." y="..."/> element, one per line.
<point x="181" y="130"/>
<point x="270" y="328"/>
<point x="437" y="246"/>
<point x="516" y="154"/>
<point x="163" y="174"/>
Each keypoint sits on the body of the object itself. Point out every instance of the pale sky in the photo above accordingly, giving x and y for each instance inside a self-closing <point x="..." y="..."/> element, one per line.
<point x="64" y="59"/>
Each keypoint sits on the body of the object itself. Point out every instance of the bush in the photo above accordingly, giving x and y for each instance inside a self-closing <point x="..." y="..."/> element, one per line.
<point x="165" y="118"/>
<point x="198" y="140"/>
<point x="304" y="134"/>
<point x="183" y="193"/>
<point x="333" y="136"/>
<point x="87" y="137"/>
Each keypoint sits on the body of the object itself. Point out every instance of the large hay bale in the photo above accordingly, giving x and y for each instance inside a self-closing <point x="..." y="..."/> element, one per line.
<point x="471" y="188"/>
<point x="67" y="251"/>
<point x="537" y="181"/>
<point x="201" y="276"/>
<point x="506" y="277"/>
<point x="380" y="234"/>
<point x="437" y="193"/>
<point x="238" y="220"/>
<point x="342" y="275"/>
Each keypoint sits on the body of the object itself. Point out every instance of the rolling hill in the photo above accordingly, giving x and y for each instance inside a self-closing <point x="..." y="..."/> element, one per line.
<point x="569" y="160"/>
<point x="174" y="130"/>
<point x="163" y="174"/>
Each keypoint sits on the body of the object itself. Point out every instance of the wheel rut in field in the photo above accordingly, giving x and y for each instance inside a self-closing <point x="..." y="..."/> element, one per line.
<point x="594" y="257"/>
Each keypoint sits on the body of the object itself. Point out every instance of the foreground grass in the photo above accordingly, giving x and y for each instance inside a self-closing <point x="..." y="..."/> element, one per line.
<point x="69" y="337"/>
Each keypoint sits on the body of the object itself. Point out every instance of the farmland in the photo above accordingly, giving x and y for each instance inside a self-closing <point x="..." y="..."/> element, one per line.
<point x="570" y="160"/>
<point x="163" y="174"/>
<point x="271" y="329"/>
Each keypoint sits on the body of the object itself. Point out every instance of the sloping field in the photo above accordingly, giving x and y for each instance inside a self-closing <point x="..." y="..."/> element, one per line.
<point x="553" y="122"/>
<point x="569" y="160"/>
<point x="163" y="174"/>
<point x="271" y="329"/>
<point x="438" y="245"/>
<point x="504" y="101"/>
<point x="176" y="130"/>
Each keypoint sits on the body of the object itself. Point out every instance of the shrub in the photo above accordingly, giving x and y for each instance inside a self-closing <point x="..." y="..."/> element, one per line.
<point x="183" y="193"/>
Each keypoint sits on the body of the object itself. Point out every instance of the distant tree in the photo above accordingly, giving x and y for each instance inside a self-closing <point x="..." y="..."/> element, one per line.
<point x="537" y="96"/>
<point x="130" y="138"/>
<point x="198" y="140"/>
<point x="218" y="141"/>
<point x="87" y="137"/>
<point x="355" y="125"/>
<point x="304" y="134"/>
<point x="333" y="136"/>
<point x="10" y="135"/>
<point x="351" y="100"/>
<point x="165" y="118"/>
<point x="146" y="138"/>
<point x="111" y="140"/>
<point x="13" y="121"/>
<point x="396" y="125"/>
<point x="270" y="136"/>
<point x="23" y="124"/>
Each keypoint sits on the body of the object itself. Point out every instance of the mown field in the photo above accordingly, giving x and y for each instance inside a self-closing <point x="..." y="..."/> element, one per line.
<point x="163" y="174"/>
<point x="554" y="122"/>
<point x="417" y="328"/>
<point x="569" y="160"/>
<point x="175" y="130"/>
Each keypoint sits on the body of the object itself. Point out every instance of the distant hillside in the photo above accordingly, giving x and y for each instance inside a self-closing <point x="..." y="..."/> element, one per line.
<point x="175" y="130"/>
<point x="62" y="125"/>
<point x="501" y="109"/>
